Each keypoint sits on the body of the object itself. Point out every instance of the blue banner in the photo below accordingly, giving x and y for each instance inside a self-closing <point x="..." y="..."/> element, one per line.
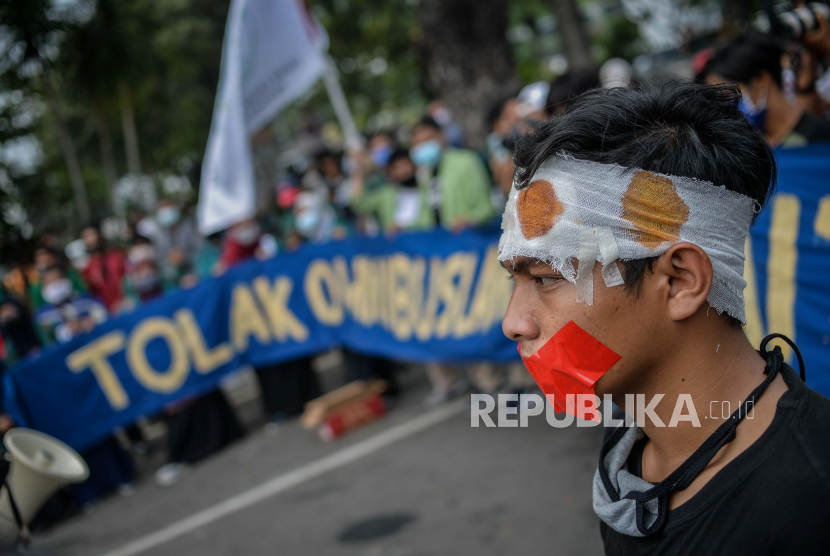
<point x="420" y="297"/>
<point x="788" y="280"/>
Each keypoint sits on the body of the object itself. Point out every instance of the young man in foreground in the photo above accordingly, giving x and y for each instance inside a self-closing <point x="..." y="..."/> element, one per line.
<point x="625" y="233"/>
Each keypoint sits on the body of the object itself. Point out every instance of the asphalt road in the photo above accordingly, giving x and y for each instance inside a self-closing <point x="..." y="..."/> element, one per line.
<point x="413" y="483"/>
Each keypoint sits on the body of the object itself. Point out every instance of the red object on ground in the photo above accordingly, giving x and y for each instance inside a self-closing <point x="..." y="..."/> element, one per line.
<point x="571" y="362"/>
<point x="352" y="415"/>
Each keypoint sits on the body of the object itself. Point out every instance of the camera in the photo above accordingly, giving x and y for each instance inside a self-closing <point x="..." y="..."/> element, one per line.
<point x="795" y="23"/>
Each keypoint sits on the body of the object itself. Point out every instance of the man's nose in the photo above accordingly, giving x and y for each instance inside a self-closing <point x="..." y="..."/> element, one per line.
<point x="518" y="323"/>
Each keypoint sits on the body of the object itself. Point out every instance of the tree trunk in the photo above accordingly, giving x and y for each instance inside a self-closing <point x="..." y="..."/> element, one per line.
<point x="73" y="166"/>
<point x="125" y="99"/>
<point x="107" y="156"/>
<point x="469" y="61"/>
<point x="572" y="33"/>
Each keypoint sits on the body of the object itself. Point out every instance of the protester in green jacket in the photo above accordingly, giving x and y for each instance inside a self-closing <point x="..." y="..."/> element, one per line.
<point x="400" y="203"/>
<point x="458" y="183"/>
<point x="455" y="194"/>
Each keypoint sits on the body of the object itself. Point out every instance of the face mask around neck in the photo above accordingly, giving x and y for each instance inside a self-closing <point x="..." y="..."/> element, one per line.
<point x="634" y="507"/>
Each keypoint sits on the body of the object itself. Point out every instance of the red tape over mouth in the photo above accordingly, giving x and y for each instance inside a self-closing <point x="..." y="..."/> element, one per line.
<point x="571" y="362"/>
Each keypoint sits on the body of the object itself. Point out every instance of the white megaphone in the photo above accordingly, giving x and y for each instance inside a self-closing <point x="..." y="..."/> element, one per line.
<point x="40" y="465"/>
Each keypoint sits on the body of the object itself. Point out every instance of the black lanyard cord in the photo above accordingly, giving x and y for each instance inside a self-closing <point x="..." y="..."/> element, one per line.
<point x="802" y="368"/>
<point x="684" y="475"/>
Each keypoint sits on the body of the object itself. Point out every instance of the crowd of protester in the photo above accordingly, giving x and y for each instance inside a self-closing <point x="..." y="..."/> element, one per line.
<point x="391" y="186"/>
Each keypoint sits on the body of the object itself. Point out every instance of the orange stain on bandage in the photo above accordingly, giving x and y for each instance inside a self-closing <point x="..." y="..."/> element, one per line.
<point x="538" y="208"/>
<point x="652" y="204"/>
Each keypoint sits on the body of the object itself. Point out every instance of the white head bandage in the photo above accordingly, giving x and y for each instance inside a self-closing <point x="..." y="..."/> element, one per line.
<point x="592" y="212"/>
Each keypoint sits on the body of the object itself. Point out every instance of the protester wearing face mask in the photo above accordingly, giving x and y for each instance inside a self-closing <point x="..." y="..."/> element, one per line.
<point x="145" y="279"/>
<point x="381" y="146"/>
<point x="754" y="63"/>
<point x="197" y="426"/>
<point x="816" y="92"/>
<point x="67" y="312"/>
<point x="315" y="220"/>
<point x="66" y="315"/>
<point x="23" y="281"/>
<point x="459" y="188"/>
<point x="401" y="204"/>
<point x="328" y="179"/>
<point x="241" y="243"/>
<point x="439" y="113"/>
<point x="105" y="269"/>
<point x="175" y="238"/>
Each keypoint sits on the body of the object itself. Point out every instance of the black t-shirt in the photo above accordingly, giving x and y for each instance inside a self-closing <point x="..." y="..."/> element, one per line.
<point x="773" y="499"/>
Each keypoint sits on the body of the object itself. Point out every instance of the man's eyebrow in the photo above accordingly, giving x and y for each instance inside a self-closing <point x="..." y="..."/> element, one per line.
<point x="520" y="266"/>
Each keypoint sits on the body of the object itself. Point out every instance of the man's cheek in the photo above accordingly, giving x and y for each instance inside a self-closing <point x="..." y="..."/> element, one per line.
<point x="610" y="382"/>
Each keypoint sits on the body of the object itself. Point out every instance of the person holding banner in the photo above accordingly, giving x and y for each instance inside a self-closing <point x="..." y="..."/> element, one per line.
<point x="625" y="235"/>
<point x="67" y="313"/>
<point x="459" y="189"/>
<point x="197" y="426"/>
<point x="400" y="204"/>
<point x="285" y="386"/>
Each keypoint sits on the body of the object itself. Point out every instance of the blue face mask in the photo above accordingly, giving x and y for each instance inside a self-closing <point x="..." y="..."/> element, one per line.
<point x="307" y="222"/>
<point x="427" y="153"/>
<point x="755" y="114"/>
<point x="380" y="155"/>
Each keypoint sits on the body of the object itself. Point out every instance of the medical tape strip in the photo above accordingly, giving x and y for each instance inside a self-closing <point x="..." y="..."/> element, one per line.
<point x="585" y="273"/>
<point x="609" y="252"/>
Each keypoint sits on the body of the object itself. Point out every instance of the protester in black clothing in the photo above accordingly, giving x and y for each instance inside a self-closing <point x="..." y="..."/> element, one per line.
<point x="754" y="483"/>
<point x="286" y="387"/>
<point x="197" y="426"/>
<point x="17" y="327"/>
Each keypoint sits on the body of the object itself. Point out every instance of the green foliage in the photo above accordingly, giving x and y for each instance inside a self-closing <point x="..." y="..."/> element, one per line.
<point x="167" y="52"/>
<point x="619" y="39"/>
<point x="376" y="46"/>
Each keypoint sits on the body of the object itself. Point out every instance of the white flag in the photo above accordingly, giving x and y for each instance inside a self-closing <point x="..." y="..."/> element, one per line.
<point x="273" y="52"/>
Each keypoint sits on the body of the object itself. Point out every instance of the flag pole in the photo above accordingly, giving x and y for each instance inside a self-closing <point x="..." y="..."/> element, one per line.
<point x="342" y="112"/>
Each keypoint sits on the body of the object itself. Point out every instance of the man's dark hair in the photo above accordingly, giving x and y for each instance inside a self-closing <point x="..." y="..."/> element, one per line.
<point x="677" y="128"/>
<point x="496" y="110"/>
<point x="47" y="249"/>
<point x="379" y="132"/>
<point x="324" y="153"/>
<point x="139" y="239"/>
<point x="56" y="268"/>
<point x="746" y="57"/>
<point x="396" y="155"/>
<point x="565" y="88"/>
<point x="428" y="121"/>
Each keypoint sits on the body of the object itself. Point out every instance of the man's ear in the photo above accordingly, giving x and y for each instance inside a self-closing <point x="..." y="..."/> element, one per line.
<point x="686" y="271"/>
